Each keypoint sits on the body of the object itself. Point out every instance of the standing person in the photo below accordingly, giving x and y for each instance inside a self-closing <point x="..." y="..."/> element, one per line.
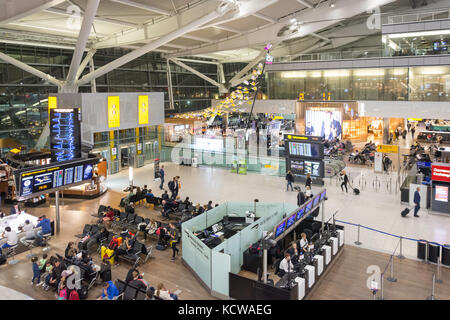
<point x="173" y="240"/>
<point x="413" y="131"/>
<point x="161" y="175"/>
<point x="344" y="178"/>
<point x="36" y="271"/>
<point x="289" y="179"/>
<point x="417" y="202"/>
<point x="308" y="180"/>
<point x="173" y="187"/>
<point x="300" y="197"/>
<point x="409" y="126"/>
<point x="178" y="184"/>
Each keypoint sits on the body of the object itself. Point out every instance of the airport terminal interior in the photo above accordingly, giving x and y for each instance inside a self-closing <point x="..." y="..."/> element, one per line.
<point x="224" y="150"/>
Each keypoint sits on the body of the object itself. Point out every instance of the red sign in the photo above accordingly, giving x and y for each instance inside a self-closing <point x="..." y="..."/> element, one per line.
<point x="440" y="173"/>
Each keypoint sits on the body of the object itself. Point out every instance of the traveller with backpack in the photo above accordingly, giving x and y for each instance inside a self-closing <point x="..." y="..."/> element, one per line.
<point x="173" y="240"/>
<point x="290" y="179"/>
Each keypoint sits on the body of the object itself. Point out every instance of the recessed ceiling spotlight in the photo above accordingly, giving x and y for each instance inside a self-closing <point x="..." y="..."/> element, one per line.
<point x="332" y="4"/>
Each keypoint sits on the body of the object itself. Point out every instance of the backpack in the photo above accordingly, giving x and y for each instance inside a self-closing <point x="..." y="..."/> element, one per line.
<point x="114" y="243"/>
<point x="74" y="295"/>
<point x="171" y="185"/>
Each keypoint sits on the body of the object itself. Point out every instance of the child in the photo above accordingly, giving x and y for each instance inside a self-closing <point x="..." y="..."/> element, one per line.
<point x="48" y="270"/>
<point x="36" y="271"/>
<point x="62" y="290"/>
<point x="42" y="263"/>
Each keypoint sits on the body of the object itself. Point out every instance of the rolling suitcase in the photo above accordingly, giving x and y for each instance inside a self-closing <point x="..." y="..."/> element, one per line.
<point x="405" y="212"/>
<point x="356" y="191"/>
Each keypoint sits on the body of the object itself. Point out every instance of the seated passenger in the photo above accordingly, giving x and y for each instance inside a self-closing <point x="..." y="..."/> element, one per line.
<point x="11" y="238"/>
<point x="45" y="224"/>
<point x="109" y="291"/>
<point x="162" y="293"/>
<point x="165" y="195"/>
<point x="138" y="282"/>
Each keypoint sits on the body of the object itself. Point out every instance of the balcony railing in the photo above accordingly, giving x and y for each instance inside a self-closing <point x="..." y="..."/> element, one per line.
<point x="419" y="17"/>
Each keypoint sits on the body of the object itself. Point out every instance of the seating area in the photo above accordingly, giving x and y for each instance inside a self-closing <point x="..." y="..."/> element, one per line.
<point x="128" y="291"/>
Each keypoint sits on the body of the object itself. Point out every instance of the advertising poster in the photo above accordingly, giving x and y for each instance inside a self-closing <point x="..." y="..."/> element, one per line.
<point x="325" y="124"/>
<point x="113" y="112"/>
<point x="441" y="193"/>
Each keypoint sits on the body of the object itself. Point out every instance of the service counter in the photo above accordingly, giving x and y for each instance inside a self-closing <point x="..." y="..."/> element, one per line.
<point x="84" y="191"/>
<point x="303" y="280"/>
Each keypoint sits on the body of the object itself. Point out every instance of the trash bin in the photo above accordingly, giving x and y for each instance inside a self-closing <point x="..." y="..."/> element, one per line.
<point x="446" y="255"/>
<point x="421" y="249"/>
<point x="433" y="252"/>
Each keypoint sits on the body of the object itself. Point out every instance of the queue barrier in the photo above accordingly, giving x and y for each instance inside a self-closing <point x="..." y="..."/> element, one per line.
<point x="426" y="251"/>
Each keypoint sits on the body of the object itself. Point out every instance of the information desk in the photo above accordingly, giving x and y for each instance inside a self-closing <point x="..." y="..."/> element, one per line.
<point x="304" y="278"/>
<point x="15" y="220"/>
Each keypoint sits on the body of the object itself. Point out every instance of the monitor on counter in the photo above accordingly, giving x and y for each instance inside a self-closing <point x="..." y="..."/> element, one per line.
<point x="308" y="206"/>
<point x="316" y="200"/>
<point x="323" y="195"/>
<point x="300" y="213"/>
<point x="279" y="229"/>
<point x="291" y="220"/>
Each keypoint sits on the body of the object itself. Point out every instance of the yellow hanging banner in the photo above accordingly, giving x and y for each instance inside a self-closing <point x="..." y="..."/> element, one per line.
<point x="113" y="112"/>
<point x="52" y="104"/>
<point x="143" y="109"/>
<point x="112" y="145"/>
<point x="387" y="148"/>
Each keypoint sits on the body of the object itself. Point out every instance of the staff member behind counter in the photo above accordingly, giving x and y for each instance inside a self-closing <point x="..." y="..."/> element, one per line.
<point x="286" y="265"/>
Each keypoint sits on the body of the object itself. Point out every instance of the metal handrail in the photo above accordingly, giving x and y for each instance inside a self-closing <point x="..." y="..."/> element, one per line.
<point x="418" y="17"/>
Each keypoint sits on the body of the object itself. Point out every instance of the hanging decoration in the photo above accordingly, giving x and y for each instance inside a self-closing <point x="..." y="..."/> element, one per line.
<point x="245" y="92"/>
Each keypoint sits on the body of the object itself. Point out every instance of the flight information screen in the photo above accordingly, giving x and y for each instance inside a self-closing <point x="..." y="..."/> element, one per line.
<point x="65" y="134"/>
<point x="304" y="149"/>
<point x="52" y="177"/>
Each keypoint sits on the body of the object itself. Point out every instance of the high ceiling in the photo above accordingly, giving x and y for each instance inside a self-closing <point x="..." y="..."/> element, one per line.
<point x="237" y="34"/>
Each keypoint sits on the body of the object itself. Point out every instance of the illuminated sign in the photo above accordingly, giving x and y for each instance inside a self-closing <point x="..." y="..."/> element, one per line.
<point x="143" y="109"/>
<point x="440" y="173"/>
<point x="65" y="134"/>
<point x="387" y="148"/>
<point x="113" y="112"/>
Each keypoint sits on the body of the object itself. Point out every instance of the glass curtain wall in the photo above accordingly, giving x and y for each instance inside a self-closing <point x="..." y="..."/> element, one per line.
<point x="399" y="84"/>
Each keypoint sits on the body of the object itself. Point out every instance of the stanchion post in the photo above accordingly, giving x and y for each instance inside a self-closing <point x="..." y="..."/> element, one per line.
<point x="438" y="277"/>
<point x="358" y="243"/>
<point x="400" y="255"/>
<point x="265" y="266"/>
<point x="426" y="253"/>
<point x="391" y="278"/>
<point x="381" y="287"/>
<point x="432" y="297"/>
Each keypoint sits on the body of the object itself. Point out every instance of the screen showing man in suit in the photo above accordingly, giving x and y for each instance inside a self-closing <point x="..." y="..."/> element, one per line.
<point x="326" y="124"/>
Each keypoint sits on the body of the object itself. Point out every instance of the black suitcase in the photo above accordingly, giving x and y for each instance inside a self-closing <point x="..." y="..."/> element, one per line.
<point x="356" y="191"/>
<point x="83" y="292"/>
<point x="404" y="212"/>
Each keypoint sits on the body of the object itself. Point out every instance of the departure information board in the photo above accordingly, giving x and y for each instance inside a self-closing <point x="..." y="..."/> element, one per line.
<point x="65" y="134"/>
<point x="49" y="178"/>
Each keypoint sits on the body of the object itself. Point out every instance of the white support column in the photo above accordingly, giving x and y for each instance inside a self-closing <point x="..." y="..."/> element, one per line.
<point x="221" y="74"/>
<point x="91" y="69"/>
<point x="197" y="73"/>
<point x="83" y="37"/>
<point x="87" y="59"/>
<point x="27" y="68"/>
<point x="169" y="83"/>
<point x="220" y="11"/>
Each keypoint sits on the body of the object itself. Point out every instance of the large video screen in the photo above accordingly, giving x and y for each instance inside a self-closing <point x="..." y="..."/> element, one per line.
<point x="209" y="144"/>
<point x="441" y="194"/>
<point x="291" y="220"/>
<point x="47" y="179"/>
<point x="304" y="149"/>
<point x="303" y="167"/>
<point x="280" y="229"/>
<point x="65" y="134"/>
<point x="325" y="124"/>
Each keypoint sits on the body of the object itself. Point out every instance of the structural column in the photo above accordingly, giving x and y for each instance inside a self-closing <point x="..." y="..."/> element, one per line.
<point x="385" y="130"/>
<point x="169" y="84"/>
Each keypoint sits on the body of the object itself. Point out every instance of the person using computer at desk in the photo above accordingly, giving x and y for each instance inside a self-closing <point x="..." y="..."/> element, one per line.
<point x="303" y="242"/>
<point x="286" y="265"/>
<point x="293" y="251"/>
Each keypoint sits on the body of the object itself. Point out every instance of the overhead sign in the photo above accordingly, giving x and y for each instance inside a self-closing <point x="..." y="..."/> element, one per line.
<point x="143" y="109"/>
<point x="440" y="173"/>
<point x="52" y="104"/>
<point x="302" y="137"/>
<point x="113" y="112"/>
<point x="385" y="148"/>
<point x="49" y="178"/>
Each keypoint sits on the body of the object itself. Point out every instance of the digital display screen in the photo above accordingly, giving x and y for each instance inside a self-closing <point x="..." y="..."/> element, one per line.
<point x="325" y="124"/>
<point x="304" y="149"/>
<point x="441" y="194"/>
<point x="303" y="167"/>
<point x="300" y="213"/>
<point x="65" y="134"/>
<point x="316" y="201"/>
<point x="280" y="229"/>
<point x="323" y="195"/>
<point x="46" y="178"/>
<point x="308" y="207"/>
<point x="291" y="220"/>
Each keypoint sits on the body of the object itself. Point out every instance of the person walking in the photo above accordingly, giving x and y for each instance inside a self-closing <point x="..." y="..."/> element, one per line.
<point x="161" y="176"/>
<point x="308" y="180"/>
<point x="173" y="187"/>
<point x="344" y="180"/>
<point x="413" y="131"/>
<point x="417" y="202"/>
<point x="300" y="197"/>
<point x="289" y="179"/>
<point x="173" y="240"/>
